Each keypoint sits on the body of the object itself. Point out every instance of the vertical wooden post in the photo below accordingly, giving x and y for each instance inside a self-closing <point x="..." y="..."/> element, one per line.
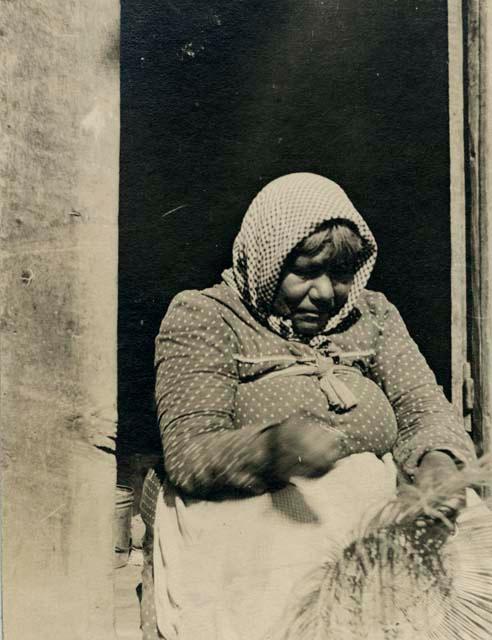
<point x="59" y="181"/>
<point x="457" y="205"/>
<point x="480" y="149"/>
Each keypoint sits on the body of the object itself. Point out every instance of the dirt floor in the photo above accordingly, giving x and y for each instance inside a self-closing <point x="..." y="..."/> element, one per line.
<point x="127" y="614"/>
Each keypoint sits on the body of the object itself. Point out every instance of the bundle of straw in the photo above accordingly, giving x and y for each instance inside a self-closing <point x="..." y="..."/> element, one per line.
<point x="416" y="572"/>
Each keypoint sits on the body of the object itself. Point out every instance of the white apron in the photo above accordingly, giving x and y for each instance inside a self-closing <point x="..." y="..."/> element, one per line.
<point x="225" y="570"/>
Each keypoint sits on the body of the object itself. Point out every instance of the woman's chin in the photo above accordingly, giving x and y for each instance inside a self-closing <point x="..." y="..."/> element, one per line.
<point x="308" y="327"/>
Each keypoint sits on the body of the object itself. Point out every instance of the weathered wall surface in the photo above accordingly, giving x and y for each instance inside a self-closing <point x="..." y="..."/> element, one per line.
<point x="59" y="183"/>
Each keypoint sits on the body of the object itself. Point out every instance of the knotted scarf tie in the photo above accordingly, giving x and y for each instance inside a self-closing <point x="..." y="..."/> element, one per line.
<point x="325" y="368"/>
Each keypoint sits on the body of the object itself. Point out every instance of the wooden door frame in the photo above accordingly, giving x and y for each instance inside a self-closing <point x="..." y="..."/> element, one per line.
<point x="479" y="127"/>
<point x="457" y="210"/>
<point x="470" y="84"/>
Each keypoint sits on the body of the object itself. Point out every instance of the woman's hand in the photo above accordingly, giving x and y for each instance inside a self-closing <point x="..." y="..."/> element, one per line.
<point x="438" y="468"/>
<point x="300" y="448"/>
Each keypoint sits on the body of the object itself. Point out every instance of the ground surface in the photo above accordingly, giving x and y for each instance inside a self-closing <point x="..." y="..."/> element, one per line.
<point x="127" y="615"/>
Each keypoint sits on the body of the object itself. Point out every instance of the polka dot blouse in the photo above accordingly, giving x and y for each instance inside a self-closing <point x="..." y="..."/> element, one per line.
<point x="214" y="395"/>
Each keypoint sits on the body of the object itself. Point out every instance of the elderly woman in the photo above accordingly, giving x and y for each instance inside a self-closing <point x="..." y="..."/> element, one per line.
<point x="283" y="395"/>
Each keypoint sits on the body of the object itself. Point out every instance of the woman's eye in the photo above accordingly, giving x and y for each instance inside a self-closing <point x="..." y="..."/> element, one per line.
<point x="307" y="274"/>
<point x="310" y="273"/>
<point x="344" y="277"/>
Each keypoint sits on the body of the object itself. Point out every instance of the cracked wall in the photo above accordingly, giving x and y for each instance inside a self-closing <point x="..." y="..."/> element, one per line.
<point x="59" y="182"/>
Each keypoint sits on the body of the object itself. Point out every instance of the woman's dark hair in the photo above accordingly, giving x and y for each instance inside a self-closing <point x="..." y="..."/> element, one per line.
<point x="349" y="250"/>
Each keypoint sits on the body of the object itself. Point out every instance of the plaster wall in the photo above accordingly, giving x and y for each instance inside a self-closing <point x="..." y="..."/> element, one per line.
<point x="59" y="182"/>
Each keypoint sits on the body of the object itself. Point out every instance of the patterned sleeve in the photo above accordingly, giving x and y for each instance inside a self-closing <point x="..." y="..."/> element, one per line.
<point x="196" y="381"/>
<point x="426" y="420"/>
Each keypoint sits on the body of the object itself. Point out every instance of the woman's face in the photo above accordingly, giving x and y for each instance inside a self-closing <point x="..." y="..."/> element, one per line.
<point x="312" y="290"/>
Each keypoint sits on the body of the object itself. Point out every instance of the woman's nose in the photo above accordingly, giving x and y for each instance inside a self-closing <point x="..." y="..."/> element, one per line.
<point x="322" y="290"/>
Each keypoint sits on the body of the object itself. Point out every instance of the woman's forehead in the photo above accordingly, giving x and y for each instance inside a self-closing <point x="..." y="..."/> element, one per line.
<point x="323" y="256"/>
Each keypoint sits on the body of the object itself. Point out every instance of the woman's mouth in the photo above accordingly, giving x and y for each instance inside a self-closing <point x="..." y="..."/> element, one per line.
<point x="311" y="316"/>
<point x="309" y="322"/>
<point x="311" y="313"/>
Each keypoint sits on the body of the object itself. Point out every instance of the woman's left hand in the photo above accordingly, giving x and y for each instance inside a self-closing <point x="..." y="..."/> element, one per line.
<point x="436" y="468"/>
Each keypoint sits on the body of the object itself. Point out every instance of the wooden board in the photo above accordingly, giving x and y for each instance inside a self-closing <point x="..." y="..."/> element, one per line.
<point x="479" y="67"/>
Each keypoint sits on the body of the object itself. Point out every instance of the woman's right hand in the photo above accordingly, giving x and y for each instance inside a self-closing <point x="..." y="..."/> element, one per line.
<point x="301" y="448"/>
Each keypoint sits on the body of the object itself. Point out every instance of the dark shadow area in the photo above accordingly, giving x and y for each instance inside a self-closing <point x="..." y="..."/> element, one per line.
<point x="219" y="97"/>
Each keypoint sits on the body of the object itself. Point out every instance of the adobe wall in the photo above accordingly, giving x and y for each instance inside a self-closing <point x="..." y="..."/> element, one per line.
<point x="59" y="183"/>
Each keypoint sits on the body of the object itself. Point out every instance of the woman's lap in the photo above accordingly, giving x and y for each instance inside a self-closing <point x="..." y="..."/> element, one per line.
<point x="223" y="568"/>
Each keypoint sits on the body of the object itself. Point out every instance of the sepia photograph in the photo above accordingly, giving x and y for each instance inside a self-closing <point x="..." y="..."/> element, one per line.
<point x="246" y="319"/>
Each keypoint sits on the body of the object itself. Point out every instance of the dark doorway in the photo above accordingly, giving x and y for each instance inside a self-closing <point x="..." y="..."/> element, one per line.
<point x="220" y="97"/>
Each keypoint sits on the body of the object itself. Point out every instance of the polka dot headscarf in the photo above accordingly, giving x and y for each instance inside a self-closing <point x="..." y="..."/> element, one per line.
<point x="283" y="214"/>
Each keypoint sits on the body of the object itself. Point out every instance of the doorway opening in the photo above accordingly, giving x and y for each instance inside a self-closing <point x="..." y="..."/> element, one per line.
<point x="216" y="101"/>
